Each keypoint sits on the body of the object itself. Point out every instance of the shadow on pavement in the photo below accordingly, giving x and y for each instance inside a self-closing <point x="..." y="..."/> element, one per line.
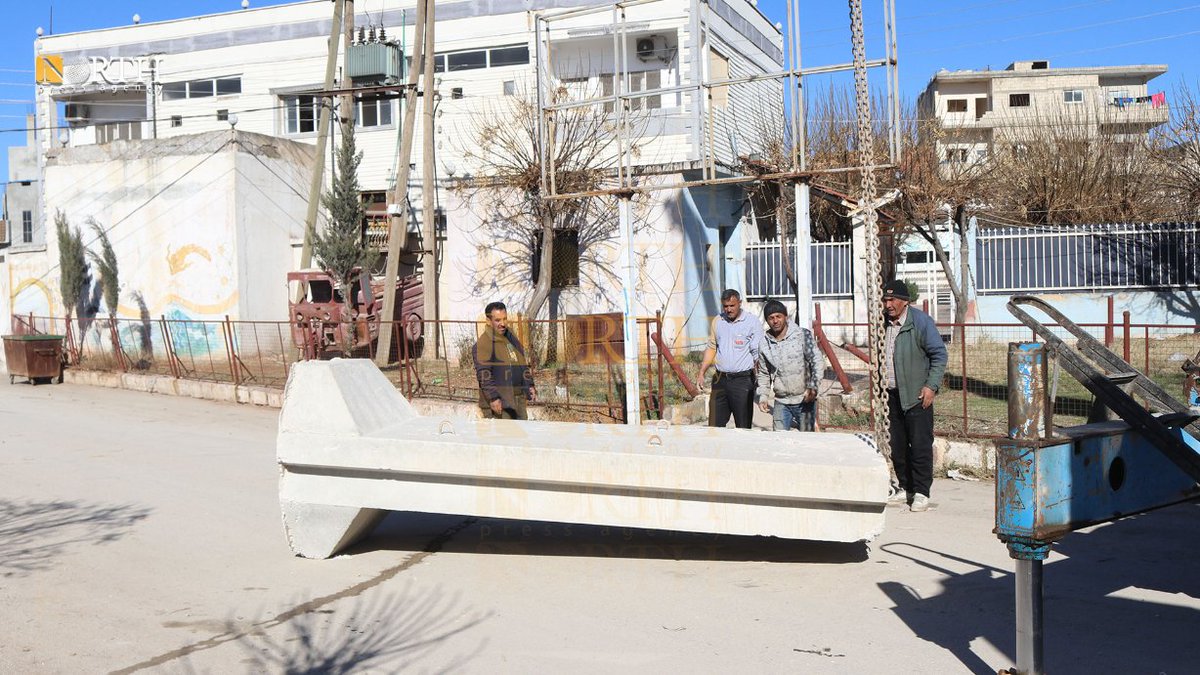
<point x="1122" y="601"/>
<point x="382" y="632"/>
<point x="34" y="533"/>
<point x="494" y="536"/>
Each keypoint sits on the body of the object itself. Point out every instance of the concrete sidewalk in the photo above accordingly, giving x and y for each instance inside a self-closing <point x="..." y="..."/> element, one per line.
<point x="142" y="533"/>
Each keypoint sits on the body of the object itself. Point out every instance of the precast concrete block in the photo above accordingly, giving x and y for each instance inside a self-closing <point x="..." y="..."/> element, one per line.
<point x="350" y="447"/>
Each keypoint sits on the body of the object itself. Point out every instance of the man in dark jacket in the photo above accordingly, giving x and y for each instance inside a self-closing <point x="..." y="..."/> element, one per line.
<point x="914" y="362"/>
<point x="505" y="381"/>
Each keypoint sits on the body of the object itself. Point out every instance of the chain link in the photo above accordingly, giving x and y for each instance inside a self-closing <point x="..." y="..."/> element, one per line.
<point x="862" y="99"/>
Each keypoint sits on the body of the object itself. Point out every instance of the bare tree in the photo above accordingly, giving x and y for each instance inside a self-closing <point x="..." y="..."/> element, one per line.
<point x="1177" y="151"/>
<point x="1076" y="168"/>
<point x="941" y="178"/>
<point x="1073" y="167"/>
<point x="520" y="224"/>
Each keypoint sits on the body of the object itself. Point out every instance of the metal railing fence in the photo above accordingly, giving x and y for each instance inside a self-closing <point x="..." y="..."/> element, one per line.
<point x="973" y="401"/>
<point x="830" y="274"/>
<point x="1118" y="256"/>
<point x="578" y="368"/>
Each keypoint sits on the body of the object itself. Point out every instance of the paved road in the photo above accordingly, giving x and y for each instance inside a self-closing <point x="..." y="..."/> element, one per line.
<point x="141" y="533"/>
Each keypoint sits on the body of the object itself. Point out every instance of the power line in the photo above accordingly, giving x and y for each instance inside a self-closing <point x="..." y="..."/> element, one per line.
<point x="145" y="203"/>
<point x="1129" y="44"/>
<point x="186" y="154"/>
<point x="1058" y="31"/>
<point x="131" y="121"/>
<point x="990" y="22"/>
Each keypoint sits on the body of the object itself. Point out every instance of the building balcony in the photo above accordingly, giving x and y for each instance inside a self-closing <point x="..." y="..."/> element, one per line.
<point x="1141" y="116"/>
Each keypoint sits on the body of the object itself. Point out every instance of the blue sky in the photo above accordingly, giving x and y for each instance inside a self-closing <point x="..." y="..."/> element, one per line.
<point x="933" y="34"/>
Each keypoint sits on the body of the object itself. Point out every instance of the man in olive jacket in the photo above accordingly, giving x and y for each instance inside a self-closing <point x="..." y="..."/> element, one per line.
<point x="914" y="362"/>
<point x="505" y="381"/>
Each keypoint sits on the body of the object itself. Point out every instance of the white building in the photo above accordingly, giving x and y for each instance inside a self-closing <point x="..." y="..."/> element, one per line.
<point x="135" y="88"/>
<point x="21" y="196"/>
<point x="978" y="110"/>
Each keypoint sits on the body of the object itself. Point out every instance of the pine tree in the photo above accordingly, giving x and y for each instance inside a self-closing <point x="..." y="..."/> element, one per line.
<point x="340" y="249"/>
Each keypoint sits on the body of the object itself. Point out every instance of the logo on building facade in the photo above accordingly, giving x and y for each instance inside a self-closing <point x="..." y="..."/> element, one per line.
<point x="94" y="71"/>
<point x="48" y="69"/>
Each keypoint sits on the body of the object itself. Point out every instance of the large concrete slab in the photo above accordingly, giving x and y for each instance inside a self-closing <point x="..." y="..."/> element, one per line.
<point x="350" y="447"/>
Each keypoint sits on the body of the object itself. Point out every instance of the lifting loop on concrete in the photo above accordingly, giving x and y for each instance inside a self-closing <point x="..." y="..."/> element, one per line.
<point x="445" y="428"/>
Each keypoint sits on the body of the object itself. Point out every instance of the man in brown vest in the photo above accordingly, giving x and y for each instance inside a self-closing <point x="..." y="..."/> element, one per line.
<point x="505" y="380"/>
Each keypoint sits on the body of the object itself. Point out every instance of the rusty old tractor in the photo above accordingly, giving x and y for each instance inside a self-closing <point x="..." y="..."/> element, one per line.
<point x="320" y="328"/>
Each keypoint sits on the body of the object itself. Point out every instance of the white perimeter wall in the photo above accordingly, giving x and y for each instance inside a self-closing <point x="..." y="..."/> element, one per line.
<point x="200" y="229"/>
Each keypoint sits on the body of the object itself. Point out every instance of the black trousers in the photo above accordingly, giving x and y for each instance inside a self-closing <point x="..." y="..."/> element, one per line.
<point x="912" y="444"/>
<point x="732" y="393"/>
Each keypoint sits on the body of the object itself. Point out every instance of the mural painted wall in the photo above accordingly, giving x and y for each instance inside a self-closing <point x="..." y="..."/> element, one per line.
<point x="203" y="226"/>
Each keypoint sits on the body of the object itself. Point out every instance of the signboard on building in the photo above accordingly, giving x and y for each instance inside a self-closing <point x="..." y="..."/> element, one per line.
<point x="94" y="71"/>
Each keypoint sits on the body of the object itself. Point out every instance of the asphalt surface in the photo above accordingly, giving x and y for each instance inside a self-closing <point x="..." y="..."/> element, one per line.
<point x="141" y="533"/>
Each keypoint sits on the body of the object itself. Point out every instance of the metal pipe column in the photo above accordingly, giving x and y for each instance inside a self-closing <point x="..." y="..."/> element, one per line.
<point x="1030" y="657"/>
<point x="1030" y="417"/>
<point x="633" y="407"/>
<point x="803" y="262"/>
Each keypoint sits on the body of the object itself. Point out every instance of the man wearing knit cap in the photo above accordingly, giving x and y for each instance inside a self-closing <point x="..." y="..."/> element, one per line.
<point x="788" y="367"/>
<point x="913" y="364"/>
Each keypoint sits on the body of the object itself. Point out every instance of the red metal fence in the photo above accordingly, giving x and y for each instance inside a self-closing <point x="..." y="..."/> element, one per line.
<point x="580" y="373"/>
<point x="579" y="368"/>
<point x="973" y="400"/>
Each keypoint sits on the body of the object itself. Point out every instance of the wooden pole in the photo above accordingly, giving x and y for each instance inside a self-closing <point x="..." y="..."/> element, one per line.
<point x="347" y="102"/>
<point x="314" y="186"/>
<point x="429" y="276"/>
<point x="398" y="223"/>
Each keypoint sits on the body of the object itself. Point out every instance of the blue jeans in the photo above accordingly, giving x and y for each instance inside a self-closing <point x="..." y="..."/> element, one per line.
<point x="786" y="416"/>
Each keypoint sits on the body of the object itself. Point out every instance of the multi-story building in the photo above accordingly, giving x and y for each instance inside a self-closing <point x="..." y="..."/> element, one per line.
<point x="23" y="229"/>
<point x="978" y="110"/>
<point x="261" y="72"/>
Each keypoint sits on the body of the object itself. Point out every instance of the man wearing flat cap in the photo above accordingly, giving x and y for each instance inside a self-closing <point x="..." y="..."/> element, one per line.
<point x="913" y="365"/>
<point x="788" y="369"/>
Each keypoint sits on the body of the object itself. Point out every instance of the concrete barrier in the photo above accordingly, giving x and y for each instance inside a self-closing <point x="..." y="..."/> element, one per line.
<point x="350" y="448"/>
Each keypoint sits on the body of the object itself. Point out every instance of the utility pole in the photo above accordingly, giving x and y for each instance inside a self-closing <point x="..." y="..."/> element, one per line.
<point x="429" y="276"/>
<point x="398" y="223"/>
<point x="801" y="189"/>
<point x="347" y="103"/>
<point x="314" y="186"/>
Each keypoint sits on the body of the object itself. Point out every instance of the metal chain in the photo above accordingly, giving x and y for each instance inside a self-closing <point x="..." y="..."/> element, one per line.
<point x="875" y="325"/>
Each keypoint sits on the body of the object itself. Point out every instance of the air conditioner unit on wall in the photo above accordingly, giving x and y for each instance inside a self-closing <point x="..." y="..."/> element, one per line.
<point x="77" y="112"/>
<point x="651" y="47"/>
